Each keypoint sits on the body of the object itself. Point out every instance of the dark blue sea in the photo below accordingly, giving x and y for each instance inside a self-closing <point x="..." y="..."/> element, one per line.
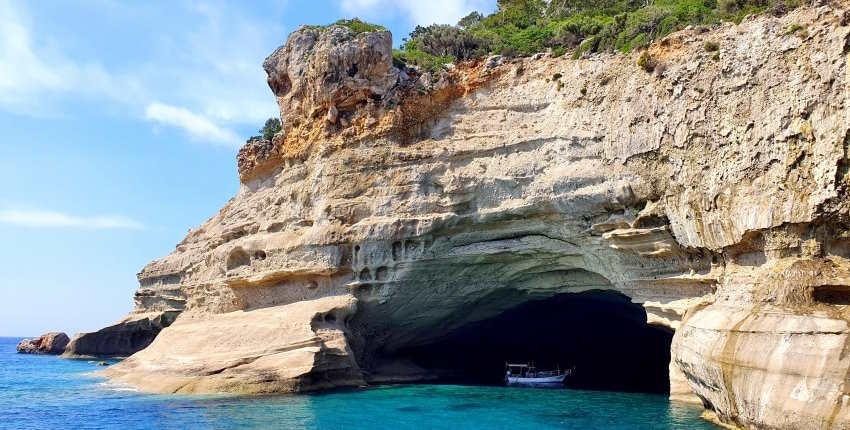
<point x="41" y="392"/>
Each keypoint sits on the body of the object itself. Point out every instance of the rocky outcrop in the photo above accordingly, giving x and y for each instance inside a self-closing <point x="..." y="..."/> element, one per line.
<point x="324" y="73"/>
<point x="123" y="339"/>
<point x="273" y="349"/>
<point x="50" y="343"/>
<point x="335" y="88"/>
<point x="712" y="192"/>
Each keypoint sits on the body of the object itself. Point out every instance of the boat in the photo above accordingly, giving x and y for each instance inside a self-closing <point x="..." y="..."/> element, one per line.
<point x="523" y="374"/>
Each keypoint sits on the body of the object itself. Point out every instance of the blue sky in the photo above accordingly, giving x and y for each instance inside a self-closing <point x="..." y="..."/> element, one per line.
<point x="119" y="126"/>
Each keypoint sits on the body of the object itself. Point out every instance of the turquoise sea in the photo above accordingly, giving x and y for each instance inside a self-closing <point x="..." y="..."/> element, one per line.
<point x="40" y="392"/>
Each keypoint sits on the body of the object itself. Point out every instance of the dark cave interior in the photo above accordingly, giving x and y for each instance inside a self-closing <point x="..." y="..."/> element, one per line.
<point x="602" y="333"/>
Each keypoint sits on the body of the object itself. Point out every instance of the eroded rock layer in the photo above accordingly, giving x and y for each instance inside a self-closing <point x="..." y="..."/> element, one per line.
<point x="397" y="208"/>
<point x="128" y="336"/>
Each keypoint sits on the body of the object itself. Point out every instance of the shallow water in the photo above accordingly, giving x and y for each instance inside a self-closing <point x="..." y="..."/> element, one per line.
<point x="49" y="392"/>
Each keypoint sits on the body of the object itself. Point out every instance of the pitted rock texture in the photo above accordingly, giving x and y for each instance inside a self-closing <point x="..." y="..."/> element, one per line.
<point x="714" y="193"/>
<point x="336" y="87"/>
<point x="49" y="343"/>
<point x="328" y="70"/>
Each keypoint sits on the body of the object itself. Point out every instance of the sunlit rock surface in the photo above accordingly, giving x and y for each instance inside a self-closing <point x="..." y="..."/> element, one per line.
<point x="713" y="193"/>
<point x="49" y="343"/>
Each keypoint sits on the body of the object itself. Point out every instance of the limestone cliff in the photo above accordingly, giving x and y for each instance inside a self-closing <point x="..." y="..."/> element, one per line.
<point x="396" y="208"/>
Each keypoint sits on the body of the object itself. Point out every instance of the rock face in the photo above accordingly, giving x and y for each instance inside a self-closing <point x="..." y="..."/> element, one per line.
<point x="712" y="192"/>
<point x="273" y="349"/>
<point x="50" y="343"/>
<point x="328" y="71"/>
<point x="123" y="339"/>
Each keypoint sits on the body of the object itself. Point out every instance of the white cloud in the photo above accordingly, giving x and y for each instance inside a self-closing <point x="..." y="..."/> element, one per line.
<point x="22" y="73"/>
<point x="36" y="218"/>
<point x="224" y="79"/>
<point x="205" y="65"/>
<point x="28" y="75"/>
<point x="420" y="12"/>
<point x="197" y="126"/>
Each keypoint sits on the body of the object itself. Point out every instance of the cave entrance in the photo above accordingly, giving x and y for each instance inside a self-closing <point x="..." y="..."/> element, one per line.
<point x="602" y="333"/>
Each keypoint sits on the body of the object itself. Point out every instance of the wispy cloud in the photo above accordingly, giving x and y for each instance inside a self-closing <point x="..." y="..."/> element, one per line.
<point x="417" y="11"/>
<point x="38" y="218"/>
<point x="202" y="72"/>
<point x="29" y="75"/>
<point x="197" y="126"/>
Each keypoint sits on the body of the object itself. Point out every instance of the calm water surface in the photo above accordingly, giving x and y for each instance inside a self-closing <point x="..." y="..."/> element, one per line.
<point x="38" y="392"/>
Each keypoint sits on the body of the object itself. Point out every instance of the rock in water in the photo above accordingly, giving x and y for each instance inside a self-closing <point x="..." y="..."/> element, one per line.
<point x="714" y="195"/>
<point x="51" y="343"/>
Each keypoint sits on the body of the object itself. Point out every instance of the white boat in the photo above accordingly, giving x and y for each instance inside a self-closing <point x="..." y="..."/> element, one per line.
<point x="527" y="375"/>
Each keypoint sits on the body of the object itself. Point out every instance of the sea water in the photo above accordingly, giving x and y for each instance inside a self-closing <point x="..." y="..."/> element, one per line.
<point x="43" y="392"/>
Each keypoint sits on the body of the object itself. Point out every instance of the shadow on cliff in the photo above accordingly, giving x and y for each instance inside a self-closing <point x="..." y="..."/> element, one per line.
<point x="602" y="333"/>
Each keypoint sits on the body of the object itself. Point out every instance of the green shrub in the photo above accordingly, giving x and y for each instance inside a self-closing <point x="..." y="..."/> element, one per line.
<point x="470" y="20"/>
<point x="525" y="27"/>
<point x="799" y="30"/>
<point x="793" y="28"/>
<point x="646" y="62"/>
<point x="710" y="46"/>
<point x="558" y="51"/>
<point x="588" y="45"/>
<point x="270" y="128"/>
<point x="445" y="41"/>
<point x="358" y="26"/>
<point x="427" y="62"/>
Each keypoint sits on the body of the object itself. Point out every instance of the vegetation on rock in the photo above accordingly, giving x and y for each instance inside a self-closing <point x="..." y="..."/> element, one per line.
<point x="525" y="27"/>
<point x="646" y="62"/>
<point x="358" y="26"/>
<point x="268" y="131"/>
<point x="355" y="25"/>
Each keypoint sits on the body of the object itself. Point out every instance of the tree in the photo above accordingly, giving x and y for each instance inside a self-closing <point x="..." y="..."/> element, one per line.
<point x="269" y="129"/>
<point x="445" y="41"/>
<point x="470" y="20"/>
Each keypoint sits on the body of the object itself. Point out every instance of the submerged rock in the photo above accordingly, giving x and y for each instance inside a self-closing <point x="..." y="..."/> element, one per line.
<point x="50" y="343"/>
<point x="713" y="196"/>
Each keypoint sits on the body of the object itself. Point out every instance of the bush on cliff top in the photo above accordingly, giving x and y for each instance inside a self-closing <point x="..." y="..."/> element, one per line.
<point x="355" y="25"/>
<point x="268" y="131"/>
<point x="525" y="27"/>
<point x="358" y="26"/>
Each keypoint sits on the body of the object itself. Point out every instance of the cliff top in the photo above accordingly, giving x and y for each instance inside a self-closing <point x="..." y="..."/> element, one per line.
<point x="344" y="82"/>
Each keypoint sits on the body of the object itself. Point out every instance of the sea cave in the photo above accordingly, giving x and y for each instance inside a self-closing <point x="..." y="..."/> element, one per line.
<point x="600" y="333"/>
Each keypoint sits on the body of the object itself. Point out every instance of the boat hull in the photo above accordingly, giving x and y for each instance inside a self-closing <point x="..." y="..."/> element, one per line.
<point x="549" y="381"/>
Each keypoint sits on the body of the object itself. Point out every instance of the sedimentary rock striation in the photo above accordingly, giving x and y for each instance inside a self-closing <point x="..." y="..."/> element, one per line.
<point x="398" y="207"/>
<point x="49" y="343"/>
